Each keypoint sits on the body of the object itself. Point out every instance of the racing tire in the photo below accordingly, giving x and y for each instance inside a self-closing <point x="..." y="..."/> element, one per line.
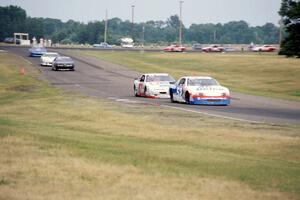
<point x="187" y="98"/>
<point x="145" y="90"/>
<point x="54" y="68"/>
<point x="171" y="97"/>
<point x="135" y="91"/>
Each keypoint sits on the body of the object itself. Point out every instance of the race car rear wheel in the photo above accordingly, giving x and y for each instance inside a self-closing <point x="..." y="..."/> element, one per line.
<point x="187" y="97"/>
<point x="135" y="91"/>
<point x="145" y="91"/>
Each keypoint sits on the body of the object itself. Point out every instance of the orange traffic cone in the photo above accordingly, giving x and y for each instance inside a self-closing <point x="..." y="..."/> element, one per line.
<point x="22" y="71"/>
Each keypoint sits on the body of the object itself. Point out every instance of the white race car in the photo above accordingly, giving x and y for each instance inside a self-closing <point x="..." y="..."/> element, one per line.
<point x="153" y="85"/>
<point x="199" y="90"/>
<point x="48" y="58"/>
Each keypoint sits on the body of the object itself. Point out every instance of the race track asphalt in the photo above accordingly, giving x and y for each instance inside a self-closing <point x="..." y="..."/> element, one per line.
<point x="97" y="78"/>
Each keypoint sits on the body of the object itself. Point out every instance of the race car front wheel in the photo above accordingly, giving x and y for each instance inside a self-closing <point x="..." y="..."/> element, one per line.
<point x="171" y="96"/>
<point x="187" y="97"/>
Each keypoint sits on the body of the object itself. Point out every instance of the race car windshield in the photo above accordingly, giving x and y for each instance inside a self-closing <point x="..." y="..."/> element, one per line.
<point x="64" y="59"/>
<point x="202" y="82"/>
<point x="157" y="78"/>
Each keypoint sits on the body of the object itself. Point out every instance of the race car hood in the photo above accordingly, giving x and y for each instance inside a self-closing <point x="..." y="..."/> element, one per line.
<point x="209" y="90"/>
<point x="159" y="84"/>
<point x="47" y="59"/>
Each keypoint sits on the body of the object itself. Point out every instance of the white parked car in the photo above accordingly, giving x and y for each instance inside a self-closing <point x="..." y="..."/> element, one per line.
<point x="48" y="58"/>
<point x="154" y="85"/>
<point x="264" y="48"/>
<point x="199" y="90"/>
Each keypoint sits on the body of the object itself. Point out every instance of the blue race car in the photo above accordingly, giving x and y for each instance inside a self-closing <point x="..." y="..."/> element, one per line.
<point x="37" y="51"/>
<point x="199" y="90"/>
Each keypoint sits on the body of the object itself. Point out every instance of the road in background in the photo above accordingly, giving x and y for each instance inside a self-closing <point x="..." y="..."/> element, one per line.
<point x="101" y="79"/>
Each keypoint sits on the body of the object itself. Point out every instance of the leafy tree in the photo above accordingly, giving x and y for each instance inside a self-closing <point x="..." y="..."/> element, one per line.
<point x="290" y="11"/>
<point x="12" y="19"/>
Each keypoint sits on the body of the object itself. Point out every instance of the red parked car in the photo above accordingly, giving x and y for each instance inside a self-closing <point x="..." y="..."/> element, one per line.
<point x="174" y="48"/>
<point x="213" y="48"/>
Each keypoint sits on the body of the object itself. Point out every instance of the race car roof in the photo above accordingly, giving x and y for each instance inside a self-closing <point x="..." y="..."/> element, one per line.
<point x="193" y="77"/>
<point x="156" y="74"/>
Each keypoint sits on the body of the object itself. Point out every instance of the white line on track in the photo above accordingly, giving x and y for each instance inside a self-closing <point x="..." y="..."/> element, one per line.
<point x="213" y="115"/>
<point x="188" y="110"/>
<point x="30" y="63"/>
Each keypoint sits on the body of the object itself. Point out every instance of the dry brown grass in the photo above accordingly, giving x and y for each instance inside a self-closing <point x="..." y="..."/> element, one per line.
<point x="33" y="170"/>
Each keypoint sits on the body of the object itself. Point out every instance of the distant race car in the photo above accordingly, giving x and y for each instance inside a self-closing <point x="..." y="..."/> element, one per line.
<point x="154" y="85"/>
<point x="48" y="58"/>
<point x="199" y="90"/>
<point x="174" y="48"/>
<point x="264" y="48"/>
<point x="37" y="51"/>
<point x="213" y="48"/>
<point x="62" y="62"/>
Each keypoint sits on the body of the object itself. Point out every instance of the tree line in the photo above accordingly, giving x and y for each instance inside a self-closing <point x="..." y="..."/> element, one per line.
<point x="14" y="19"/>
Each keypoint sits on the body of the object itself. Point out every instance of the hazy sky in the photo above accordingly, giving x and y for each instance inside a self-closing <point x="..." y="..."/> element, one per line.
<point x="255" y="12"/>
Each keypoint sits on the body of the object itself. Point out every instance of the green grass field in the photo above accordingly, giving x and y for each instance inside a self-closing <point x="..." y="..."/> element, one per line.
<point x="57" y="145"/>
<point x="260" y="74"/>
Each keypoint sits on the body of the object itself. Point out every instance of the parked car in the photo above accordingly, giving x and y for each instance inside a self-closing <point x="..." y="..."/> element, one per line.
<point x="37" y="51"/>
<point x="174" y="48"/>
<point x="102" y="45"/>
<point x="8" y="40"/>
<point x="264" y="48"/>
<point x="155" y="85"/>
<point x="231" y="49"/>
<point x="62" y="62"/>
<point x="213" y="48"/>
<point x="48" y="58"/>
<point x="199" y="90"/>
<point x="197" y="47"/>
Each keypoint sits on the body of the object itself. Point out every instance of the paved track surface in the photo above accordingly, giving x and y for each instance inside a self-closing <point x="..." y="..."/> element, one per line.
<point x="101" y="79"/>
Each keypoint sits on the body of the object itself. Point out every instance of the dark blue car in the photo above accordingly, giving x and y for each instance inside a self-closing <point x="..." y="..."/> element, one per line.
<point x="37" y="51"/>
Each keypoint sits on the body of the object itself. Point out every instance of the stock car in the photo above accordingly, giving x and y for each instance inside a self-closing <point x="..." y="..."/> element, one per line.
<point x="37" y="51"/>
<point x="199" y="90"/>
<point x="174" y="48"/>
<point x="213" y="48"/>
<point x="48" y="58"/>
<point x="155" y="85"/>
<point x="264" y="48"/>
<point x="63" y="62"/>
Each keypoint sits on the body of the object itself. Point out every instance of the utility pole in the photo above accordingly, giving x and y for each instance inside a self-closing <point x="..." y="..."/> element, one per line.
<point x="280" y="31"/>
<point x="132" y="22"/>
<point x="143" y="36"/>
<point x="105" y="29"/>
<point x="180" y="23"/>
<point x="215" y="36"/>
